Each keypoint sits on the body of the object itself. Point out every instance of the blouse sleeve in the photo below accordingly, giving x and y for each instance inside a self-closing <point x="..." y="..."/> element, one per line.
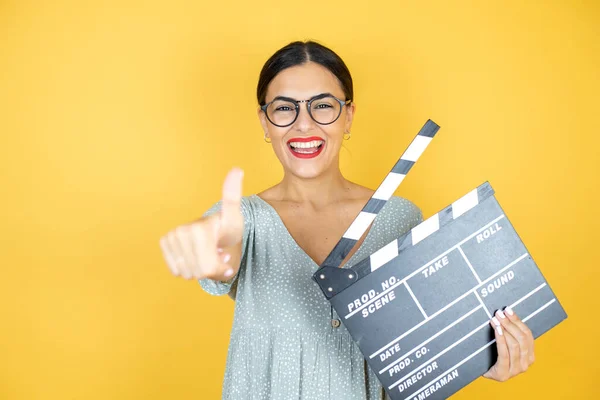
<point x="418" y="215"/>
<point x="405" y="215"/>
<point x="218" y="288"/>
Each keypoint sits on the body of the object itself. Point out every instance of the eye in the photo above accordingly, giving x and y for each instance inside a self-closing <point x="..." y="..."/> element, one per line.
<point x="323" y="105"/>
<point x="283" y="107"/>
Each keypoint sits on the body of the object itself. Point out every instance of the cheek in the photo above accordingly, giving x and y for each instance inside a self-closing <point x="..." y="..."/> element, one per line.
<point x="335" y="131"/>
<point x="277" y="133"/>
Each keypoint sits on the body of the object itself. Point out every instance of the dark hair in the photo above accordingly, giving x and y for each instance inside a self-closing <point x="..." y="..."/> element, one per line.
<point x="298" y="53"/>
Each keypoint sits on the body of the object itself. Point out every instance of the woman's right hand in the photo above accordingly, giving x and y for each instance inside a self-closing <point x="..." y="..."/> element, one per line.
<point x="211" y="247"/>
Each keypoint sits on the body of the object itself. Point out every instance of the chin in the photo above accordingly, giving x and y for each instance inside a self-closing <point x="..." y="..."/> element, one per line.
<point x="305" y="168"/>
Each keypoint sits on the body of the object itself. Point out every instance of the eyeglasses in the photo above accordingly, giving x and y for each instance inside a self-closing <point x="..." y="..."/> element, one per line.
<point x="324" y="109"/>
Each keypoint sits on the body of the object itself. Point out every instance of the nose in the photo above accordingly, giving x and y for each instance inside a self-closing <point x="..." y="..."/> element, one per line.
<point x="304" y="123"/>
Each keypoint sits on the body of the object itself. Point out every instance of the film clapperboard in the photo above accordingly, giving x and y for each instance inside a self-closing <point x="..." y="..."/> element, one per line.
<point x="419" y="308"/>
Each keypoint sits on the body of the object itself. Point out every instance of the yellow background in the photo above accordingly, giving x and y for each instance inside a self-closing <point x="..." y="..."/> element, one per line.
<point x="119" y="120"/>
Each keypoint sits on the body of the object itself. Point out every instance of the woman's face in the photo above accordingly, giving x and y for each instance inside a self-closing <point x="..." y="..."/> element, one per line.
<point x="306" y="148"/>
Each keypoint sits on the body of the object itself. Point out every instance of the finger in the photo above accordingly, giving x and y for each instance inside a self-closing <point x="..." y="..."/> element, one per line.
<point x="515" y="342"/>
<point x="500" y="371"/>
<point x="184" y="238"/>
<point x="232" y="222"/>
<point x="212" y="260"/>
<point x="510" y="314"/>
<point x="205" y="246"/>
<point x="164" y="246"/>
<point x="178" y="256"/>
<point x="520" y="336"/>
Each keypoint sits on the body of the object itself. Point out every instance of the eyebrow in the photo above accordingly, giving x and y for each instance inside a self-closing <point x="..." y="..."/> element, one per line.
<point x="294" y="100"/>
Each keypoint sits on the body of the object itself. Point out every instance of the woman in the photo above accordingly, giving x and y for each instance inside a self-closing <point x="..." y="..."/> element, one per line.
<point x="286" y="340"/>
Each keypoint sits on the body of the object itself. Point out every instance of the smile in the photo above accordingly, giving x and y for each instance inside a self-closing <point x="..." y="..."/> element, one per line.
<point x="306" y="147"/>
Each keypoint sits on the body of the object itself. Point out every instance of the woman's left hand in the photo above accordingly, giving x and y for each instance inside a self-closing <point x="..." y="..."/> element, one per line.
<point x="514" y="341"/>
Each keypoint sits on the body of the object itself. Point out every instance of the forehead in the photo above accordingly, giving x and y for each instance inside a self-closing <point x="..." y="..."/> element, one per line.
<point x="303" y="82"/>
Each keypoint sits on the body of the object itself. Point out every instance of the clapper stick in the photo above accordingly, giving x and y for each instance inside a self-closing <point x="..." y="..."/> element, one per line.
<point x="361" y="223"/>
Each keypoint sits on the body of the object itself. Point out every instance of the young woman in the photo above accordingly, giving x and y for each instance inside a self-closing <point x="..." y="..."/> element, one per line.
<point x="286" y="340"/>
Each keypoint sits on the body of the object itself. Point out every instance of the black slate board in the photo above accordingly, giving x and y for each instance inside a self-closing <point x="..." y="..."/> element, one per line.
<point x="421" y="316"/>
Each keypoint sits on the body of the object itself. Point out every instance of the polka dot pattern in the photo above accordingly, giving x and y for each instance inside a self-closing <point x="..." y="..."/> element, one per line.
<point x="284" y="342"/>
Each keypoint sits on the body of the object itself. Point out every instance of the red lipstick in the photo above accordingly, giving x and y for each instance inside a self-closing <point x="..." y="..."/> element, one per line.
<point x="305" y="153"/>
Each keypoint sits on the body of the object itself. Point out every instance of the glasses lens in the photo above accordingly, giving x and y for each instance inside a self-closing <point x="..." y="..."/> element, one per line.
<point x="325" y="110"/>
<point x="281" y="112"/>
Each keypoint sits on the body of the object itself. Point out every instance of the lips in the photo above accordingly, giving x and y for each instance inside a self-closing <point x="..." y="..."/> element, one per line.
<point x="309" y="147"/>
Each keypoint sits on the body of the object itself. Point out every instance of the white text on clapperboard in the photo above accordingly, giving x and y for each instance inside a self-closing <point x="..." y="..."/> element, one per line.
<point x="377" y="304"/>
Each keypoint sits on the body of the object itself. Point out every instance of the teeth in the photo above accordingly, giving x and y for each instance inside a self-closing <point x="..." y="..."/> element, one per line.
<point x="306" y="145"/>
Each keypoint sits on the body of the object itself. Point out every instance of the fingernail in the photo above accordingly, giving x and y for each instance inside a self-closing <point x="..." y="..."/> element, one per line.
<point x="499" y="329"/>
<point x="500" y="314"/>
<point x="509" y="311"/>
<point x="228" y="273"/>
<point x="496" y="322"/>
<point x="226" y="258"/>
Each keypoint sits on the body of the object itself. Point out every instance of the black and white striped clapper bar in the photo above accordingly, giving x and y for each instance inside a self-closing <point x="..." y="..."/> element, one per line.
<point x="419" y="308"/>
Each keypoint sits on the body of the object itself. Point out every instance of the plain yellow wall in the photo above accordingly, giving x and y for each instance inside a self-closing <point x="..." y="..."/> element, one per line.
<point x="119" y="120"/>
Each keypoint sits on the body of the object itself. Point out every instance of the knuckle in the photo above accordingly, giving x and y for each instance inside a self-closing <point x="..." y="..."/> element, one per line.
<point x="172" y="236"/>
<point x="198" y="226"/>
<point x="517" y="334"/>
<point x="181" y="230"/>
<point x="200" y="231"/>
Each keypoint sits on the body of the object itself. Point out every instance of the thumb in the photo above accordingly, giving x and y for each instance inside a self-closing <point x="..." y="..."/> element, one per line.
<point x="231" y="224"/>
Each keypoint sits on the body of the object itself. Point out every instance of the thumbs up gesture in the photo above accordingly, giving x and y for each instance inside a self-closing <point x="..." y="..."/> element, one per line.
<point x="211" y="247"/>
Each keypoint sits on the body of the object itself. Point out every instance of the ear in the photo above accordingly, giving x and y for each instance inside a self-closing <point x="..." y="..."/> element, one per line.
<point x="263" y="122"/>
<point x="350" y="110"/>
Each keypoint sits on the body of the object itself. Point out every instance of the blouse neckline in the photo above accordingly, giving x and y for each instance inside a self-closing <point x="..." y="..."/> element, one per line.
<point x="305" y="254"/>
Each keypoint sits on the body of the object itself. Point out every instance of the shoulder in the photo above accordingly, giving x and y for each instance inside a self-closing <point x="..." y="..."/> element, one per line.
<point x="249" y="205"/>
<point x="402" y="205"/>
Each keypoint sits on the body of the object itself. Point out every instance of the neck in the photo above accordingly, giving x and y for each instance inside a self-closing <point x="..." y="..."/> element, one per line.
<point x="327" y="188"/>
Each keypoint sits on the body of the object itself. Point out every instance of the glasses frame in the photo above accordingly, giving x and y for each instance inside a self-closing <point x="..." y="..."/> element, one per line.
<point x="308" y="103"/>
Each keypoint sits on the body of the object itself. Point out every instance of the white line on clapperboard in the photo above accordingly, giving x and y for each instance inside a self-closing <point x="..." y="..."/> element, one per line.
<point x="451" y="325"/>
<point x="464" y="256"/>
<point x="430" y="339"/>
<point x="424" y="266"/>
<point x="479" y="350"/>
<point x="447" y="307"/>
<point x="447" y="349"/>
<point x="415" y="299"/>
